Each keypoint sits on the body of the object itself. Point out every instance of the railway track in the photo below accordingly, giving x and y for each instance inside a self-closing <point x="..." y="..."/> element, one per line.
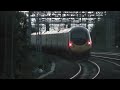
<point x="88" y="70"/>
<point x="110" y="56"/>
<point x="67" y="69"/>
<point x="109" y="64"/>
<point x="110" y="59"/>
<point x="79" y="71"/>
<point x="97" y="67"/>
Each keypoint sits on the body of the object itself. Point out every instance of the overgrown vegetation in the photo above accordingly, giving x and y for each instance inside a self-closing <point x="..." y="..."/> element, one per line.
<point x="21" y="39"/>
<point x="22" y="49"/>
<point x="110" y="22"/>
<point x="98" y="34"/>
<point x="25" y="55"/>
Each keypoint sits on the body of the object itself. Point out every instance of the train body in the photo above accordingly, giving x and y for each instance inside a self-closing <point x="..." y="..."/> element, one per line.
<point x="74" y="40"/>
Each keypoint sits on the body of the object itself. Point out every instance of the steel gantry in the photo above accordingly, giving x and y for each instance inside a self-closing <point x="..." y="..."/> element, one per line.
<point x="67" y="17"/>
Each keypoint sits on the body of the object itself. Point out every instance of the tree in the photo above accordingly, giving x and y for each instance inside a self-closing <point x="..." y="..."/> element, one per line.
<point x="21" y="38"/>
<point x="98" y="34"/>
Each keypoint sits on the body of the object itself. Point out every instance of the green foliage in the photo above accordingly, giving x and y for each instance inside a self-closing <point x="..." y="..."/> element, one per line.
<point x="21" y="38"/>
<point x="98" y="30"/>
<point x="98" y="34"/>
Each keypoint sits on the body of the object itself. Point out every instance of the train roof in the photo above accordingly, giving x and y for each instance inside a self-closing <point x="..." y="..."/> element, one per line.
<point x="61" y="31"/>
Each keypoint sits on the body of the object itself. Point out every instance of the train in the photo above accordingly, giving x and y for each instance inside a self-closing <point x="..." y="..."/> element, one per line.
<point x="74" y="41"/>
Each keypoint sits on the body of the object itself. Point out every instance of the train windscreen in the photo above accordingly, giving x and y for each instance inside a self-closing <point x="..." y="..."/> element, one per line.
<point x="79" y="37"/>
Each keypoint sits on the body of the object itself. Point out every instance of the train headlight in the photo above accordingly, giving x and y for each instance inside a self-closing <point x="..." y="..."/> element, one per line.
<point x="89" y="42"/>
<point x="70" y="44"/>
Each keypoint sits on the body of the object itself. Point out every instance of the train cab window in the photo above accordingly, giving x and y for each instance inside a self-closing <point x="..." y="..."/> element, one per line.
<point x="79" y="37"/>
<point x="79" y="34"/>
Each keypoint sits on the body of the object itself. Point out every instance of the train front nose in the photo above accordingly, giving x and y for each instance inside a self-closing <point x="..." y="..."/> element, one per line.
<point x="81" y="41"/>
<point x="80" y="48"/>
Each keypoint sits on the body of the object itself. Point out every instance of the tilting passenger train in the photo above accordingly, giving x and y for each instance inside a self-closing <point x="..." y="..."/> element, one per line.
<point x="75" y="40"/>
